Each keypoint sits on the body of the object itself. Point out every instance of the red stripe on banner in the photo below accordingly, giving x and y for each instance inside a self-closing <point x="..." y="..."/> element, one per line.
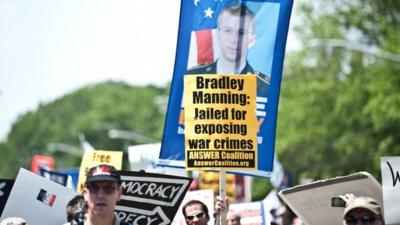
<point x="205" y="52"/>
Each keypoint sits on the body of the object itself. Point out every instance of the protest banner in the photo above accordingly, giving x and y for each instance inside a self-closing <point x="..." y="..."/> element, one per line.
<point x="96" y="157"/>
<point x="390" y="167"/>
<point x="57" y="177"/>
<point x="251" y="213"/>
<point x="37" y="199"/>
<point x="150" y="198"/>
<point x="220" y="121"/>
<point x="312" y="202"/>
<point x="5" y="189"/>
<point x="42" y="161"/>
<point x="201" y="49"/>
<point x="206" y="196"/>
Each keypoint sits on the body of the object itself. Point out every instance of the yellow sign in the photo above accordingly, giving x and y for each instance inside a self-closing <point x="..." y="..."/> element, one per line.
<point x="220" y="122"/>
<point x="210" y="180"/>
<point x="96" y="157"/>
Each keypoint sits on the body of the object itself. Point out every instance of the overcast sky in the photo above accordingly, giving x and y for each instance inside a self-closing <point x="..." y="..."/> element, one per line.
<point x="52" y="47"/>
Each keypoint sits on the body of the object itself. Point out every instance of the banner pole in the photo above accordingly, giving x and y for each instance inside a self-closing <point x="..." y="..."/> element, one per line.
<point x="222" y="194"/>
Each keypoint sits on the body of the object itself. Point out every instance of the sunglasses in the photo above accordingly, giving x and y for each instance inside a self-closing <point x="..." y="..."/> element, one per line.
<point x="197" y="215"/>
<point x="366" y="219"/>
<point x="94" y="189"/>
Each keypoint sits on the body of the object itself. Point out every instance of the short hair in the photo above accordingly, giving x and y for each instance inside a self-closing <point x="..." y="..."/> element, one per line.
<point x="77" y="203"/>
<point x="238" y="9"/>
<point x="236" y="215"/>
<point x="195" y="202"/>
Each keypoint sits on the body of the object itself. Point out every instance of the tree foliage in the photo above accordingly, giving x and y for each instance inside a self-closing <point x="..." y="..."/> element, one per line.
<point x="340" y="108"/>
<point x="91" y="111"/>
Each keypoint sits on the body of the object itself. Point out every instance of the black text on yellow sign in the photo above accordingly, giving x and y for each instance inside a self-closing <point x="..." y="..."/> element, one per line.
<point x="220" y="122"/>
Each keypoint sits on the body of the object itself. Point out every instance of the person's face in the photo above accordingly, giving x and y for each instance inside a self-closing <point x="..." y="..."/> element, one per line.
<point x="231" y="33"/>
<point x="195" y="215"/>
<point x="232" y="219"/>
<point x="361" y="217"/>
<point x="102" y="197"/>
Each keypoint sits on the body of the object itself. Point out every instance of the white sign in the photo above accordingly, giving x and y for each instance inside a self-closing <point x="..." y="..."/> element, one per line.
<point x="251" y="213"/>
<point x="390" y="167"/>
<point x="312" y="202"/>
<point x="37" y="200"/>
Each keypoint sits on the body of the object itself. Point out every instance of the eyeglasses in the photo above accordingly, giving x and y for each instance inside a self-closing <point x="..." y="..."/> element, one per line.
<point x="366" y="219"/>
<point x="197" y="215"/>
<point x="94" y="189"/>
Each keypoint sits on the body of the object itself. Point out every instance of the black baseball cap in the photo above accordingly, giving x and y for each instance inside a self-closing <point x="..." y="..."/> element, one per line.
<point x="103" y="172"/>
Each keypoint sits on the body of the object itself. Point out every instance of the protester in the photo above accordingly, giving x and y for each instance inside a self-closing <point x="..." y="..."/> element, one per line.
<point x="285" y="216"/>
<point x="76" y="210"/>
<point x="101" y="191"/>
<point x="13" y="221"/>
<point x="361" y="210"/>
<point x="233" y="218"/>
<point x="196" y="212"/>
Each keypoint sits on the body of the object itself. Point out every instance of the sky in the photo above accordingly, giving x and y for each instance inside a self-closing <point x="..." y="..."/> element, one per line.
<point x="49" y="48"/>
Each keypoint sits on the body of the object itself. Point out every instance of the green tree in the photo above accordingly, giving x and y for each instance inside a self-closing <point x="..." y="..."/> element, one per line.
<point x="91" y="111"/>
<point x="340" y="108"/>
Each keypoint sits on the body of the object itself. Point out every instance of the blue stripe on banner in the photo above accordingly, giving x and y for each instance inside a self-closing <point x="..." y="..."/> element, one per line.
<point x="266" y="55"/>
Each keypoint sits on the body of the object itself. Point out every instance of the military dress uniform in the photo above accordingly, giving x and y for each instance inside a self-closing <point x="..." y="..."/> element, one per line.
<point x="262" y="79"/>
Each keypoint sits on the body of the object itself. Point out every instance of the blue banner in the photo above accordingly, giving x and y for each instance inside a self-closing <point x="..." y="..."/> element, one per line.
<point x="229" y="37"/>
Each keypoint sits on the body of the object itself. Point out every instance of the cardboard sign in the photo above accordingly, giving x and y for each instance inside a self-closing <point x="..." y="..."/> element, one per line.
<point x="5" y="189"/>
<point x="220" y="122"/>
<point x="37" y="199"/>
<point x="150" y="198"/>
<point x="251" y="213"/>
<point x="390" y="167"/>
<point x="312" y="202"/>
<point x="206" y="196"/>
<point x="96" y="157"/>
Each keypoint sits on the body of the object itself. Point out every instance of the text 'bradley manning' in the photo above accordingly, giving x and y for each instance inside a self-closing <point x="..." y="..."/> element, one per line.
<point x="224" y="82"/>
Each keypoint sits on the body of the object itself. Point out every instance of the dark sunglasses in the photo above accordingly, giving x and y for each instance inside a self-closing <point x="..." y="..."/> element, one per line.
<point x="197" y="215"/>
<point x="366" y="219"/>
<point x="94" y="189"/>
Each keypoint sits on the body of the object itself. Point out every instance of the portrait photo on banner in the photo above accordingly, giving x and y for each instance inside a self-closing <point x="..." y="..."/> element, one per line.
<point x="234" y="37"/>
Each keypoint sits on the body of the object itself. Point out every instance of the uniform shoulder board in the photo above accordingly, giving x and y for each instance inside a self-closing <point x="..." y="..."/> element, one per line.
<point x="200" y="66"/>
<point x="263" y="77"/>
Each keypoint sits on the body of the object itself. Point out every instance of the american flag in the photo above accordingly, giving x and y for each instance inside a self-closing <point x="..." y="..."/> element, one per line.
<point x="203" y="47"/>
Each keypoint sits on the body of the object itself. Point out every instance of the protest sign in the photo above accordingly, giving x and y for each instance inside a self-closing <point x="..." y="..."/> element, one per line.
<point x="5" y="189"/>
<point x="42" y="161"/>
<point x="390" y="167"/>
<point x="205" y="196"/>
<point x="251" y="213"/>
<point x="96" y="157"/>
<point x="57" y="177"/>
<point x="259" y="49"/>
<point x="150" y="198"/>
<point x="220" y="121"/>
<point x="312" y="202"/>
<point x="37" y="199"/>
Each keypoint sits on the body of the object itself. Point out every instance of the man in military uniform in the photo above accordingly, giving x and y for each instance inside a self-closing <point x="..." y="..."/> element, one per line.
<point x="235" y="34"/>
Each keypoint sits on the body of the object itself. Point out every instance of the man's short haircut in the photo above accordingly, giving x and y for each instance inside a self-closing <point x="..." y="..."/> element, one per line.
<point x="238" y="9"/>
<point x="195" y="202"/>
<point x="236" y="215"/>
<point x="74" y="205"/>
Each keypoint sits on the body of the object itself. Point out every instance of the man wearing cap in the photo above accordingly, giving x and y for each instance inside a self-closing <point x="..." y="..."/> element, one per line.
<point x="13" y="221"/>
<point x="102" y="191"/>
<point x="362" y="210"/>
